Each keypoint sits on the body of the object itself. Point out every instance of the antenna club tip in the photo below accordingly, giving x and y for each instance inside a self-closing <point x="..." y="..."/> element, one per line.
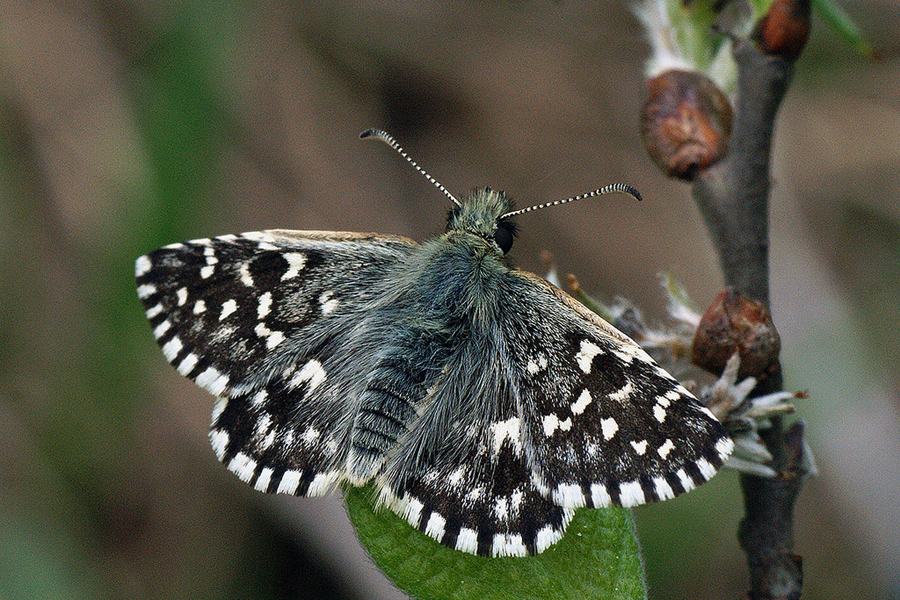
<point x="368" y="133"/>
<point x="635" y="193"/>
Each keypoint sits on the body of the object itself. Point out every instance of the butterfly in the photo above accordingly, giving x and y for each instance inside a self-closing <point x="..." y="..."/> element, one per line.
<point x="484" y="403"/>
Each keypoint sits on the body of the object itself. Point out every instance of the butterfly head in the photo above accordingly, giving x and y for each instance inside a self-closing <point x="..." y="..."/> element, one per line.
<point x="483" y="213"/>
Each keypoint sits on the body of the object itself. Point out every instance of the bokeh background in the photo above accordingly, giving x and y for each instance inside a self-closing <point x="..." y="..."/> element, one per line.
<point x="129" y="124"/>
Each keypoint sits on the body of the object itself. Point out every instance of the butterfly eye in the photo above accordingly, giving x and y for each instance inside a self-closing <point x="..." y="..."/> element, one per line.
<point x="504" y="235"/>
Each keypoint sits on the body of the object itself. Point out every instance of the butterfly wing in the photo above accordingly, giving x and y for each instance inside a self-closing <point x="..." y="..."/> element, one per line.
<point x="603" y="423"/>
<point x="462" y="475"/>
<point x="261" y="320"/>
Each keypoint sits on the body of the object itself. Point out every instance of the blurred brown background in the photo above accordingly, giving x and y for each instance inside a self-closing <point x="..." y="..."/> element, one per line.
<point x="126" y="125"/>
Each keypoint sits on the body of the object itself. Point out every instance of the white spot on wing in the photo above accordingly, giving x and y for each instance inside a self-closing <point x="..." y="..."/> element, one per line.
<point x="609" y="427"/>
<point x="311" y="372"/>
<point x="290" y="481"/>
<point x="663" y="489"/>
<point x="411" y="510"/>
<point x="659" y="412"/>
<point x="161" y="329"/>
<point x="142" y="266"/>
<point x="435" y="526"/>
<point x="260" y="397"/>
<point x="322" y="483"/>
<point x="639" y="447"/>
<point x="667" y="447"/>
<point x="476" y="494"/>
<point x="243" y="466"/>
<point x="265" y="305"/>
<point x="207" y="271"/>
<point x="218" y="439"/>
<point x="187" y="364"/>
<point x="262" y="426"/>
<point x="273" y="338"/>
<point x="212" y="381"/>
<point x="600" y="496"/>
<point x="569" y="495"/>
<point x="629" y="351"/>
<point x="537" y="365"/>
<point x="262" y="482"/>
<point x="244" y="272"/>
<point x="546" y="537"/>
<point x="327" y="303"/>
<point x="146" y="290"/>
<point x="724" y="447"/>
<point x="501" y="509"/>
<point x="199" y="307"/>
<point x="623" y="394"/>
<point x="310" y="435"/>
<point x="267" y="441"/>
<point x="182" y="295"/>
<point x="708" y="413"/>
<point x="154" y="311"/>
<point x="586" y="355"/>
<point x="296" y="261"/>
<point x="456" y="477"/>
<point x="508" y="544"/>
<point x="467" y="541"/>
<point x="582" y="403"/>
<point x="551" y="422"/>
<point x="631" y="494"/>
<point x="706" y="469"/>
<point x="228" y="308"/>
<point x="501" y="430"/>
<point x="172" y="348"/>
<point x="218" y="409"/>
<point x="686" y="482"/>
<point x="516" y="500"/>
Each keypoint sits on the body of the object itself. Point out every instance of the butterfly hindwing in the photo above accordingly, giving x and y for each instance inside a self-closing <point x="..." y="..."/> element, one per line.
<point x="261" y="320"/>
<point x="604" y="423"/>
<point x="461" y="474"/>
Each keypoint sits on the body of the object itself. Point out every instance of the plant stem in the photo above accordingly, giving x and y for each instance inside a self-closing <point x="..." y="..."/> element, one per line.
<point x="733" y="197"/>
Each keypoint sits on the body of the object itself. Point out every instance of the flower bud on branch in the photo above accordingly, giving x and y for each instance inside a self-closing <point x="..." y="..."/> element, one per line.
<point x="737" y="323"/>
<point x="784" y="30"/>
<point x="685" y="122"/>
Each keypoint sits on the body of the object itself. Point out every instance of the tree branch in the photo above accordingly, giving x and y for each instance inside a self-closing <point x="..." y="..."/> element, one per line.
<point x="733" y="199"/>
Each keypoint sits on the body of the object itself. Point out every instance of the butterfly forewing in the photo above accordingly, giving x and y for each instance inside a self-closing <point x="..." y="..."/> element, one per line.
<point x="605" y="424"/>
<point x="262" y="320"/>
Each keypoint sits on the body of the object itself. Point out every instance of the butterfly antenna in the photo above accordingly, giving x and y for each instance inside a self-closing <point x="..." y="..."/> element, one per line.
<point x="390" y="141"/>
<point x="614" y="188"/>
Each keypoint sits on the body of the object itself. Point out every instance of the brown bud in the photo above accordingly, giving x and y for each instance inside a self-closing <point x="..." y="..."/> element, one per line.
<point x="685" y="122"/>
<point x="785" y="28"/>
<point x="736" y="323"/>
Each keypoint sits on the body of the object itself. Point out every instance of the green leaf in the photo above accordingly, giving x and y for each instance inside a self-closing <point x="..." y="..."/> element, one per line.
<point x="844" y="26"/>
<point x="598" y="557"/>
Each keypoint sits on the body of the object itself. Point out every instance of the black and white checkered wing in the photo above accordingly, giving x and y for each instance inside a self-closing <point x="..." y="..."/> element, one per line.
<point x="603" y="423"/>
<point x="256" y="319"/>
<point x="462" y="475"/>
